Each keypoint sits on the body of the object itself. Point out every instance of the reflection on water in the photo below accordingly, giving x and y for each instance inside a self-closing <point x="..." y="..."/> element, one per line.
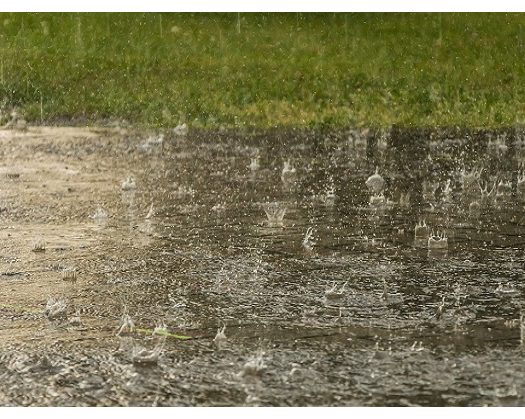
<point x="360" y="267"/>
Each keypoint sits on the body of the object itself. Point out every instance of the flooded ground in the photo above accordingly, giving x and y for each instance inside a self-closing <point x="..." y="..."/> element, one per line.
<point x="261" y="269"/>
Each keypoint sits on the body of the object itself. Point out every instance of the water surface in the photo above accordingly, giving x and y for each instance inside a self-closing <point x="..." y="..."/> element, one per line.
<point x="360" y="313"/>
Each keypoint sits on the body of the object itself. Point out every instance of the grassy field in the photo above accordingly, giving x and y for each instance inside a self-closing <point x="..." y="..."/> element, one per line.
<point x="263" y="70"/>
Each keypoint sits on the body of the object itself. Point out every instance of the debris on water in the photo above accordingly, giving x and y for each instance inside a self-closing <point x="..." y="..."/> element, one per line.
<point x="375" y="183"/>
<point x="39" y="246"/>
<point x="129" y="184"/>
<point x="160" y="329"/>
<point x="181" y="130"/>
<point x="56" y="309"/>
<point x="69" y="275"/>
<point x="220" y="338"/>
<point x="275" y="212"/>
<point x="309" y="240"/>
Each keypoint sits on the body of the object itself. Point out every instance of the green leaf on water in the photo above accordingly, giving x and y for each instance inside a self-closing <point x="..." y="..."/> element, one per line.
<point x="167" y="334"/>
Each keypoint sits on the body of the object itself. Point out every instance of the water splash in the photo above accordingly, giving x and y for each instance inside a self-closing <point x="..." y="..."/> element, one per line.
<point x="438" y="241"/>
<point x="39" y="246"/>
<point x="375" y="183"/>
<point x="254" y="367"/>
<point x="421" y="230"/>
<point x="181" y="130"/>
<point x="470" y="180"/>
<point x="404" y="200"/>
<point x="143" y="356"/>
<point x="56" y="309"/>
<point x="329" y="196"/>
<point x="521" y="184"/>
<point x="333" y="293"/>
<point x="275" y="212"/>
<point x="309" y="240"/>
<point x="288" y="172"/>
<point x="129" y="184"/>
<point x="220" y="339"/>
<point x="488" y="194"/>
<point x="377" y="200"/>
<point x="504" y="189"/>
<point x="100" y="214"/>
<point x="151" y="212"/>
<point x="126" y="324"/>
<point x="429" y="190"/>
<point x="522" y="329"/>
<point x="254" y="164"/>
<point x="182" y="191"/>
<point x="447" y="192"/>
<point x="69" y="275"/>
<point x="152" y="143"/>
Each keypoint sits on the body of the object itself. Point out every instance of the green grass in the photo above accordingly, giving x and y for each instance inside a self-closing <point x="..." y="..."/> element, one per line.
<point x="263" y="70"/>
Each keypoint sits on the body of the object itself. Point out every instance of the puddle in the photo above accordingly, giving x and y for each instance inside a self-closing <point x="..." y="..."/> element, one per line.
<point x="278" y="268"/>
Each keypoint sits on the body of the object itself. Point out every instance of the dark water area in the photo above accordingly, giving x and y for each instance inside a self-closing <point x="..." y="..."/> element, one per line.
<point x="325" y="292"/>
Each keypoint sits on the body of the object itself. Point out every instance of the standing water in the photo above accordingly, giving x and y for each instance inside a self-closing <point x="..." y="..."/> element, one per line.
<point x="198" y="274"/>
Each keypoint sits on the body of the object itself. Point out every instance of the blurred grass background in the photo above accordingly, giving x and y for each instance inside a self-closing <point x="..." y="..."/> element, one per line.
<point x="263" y="70"/>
